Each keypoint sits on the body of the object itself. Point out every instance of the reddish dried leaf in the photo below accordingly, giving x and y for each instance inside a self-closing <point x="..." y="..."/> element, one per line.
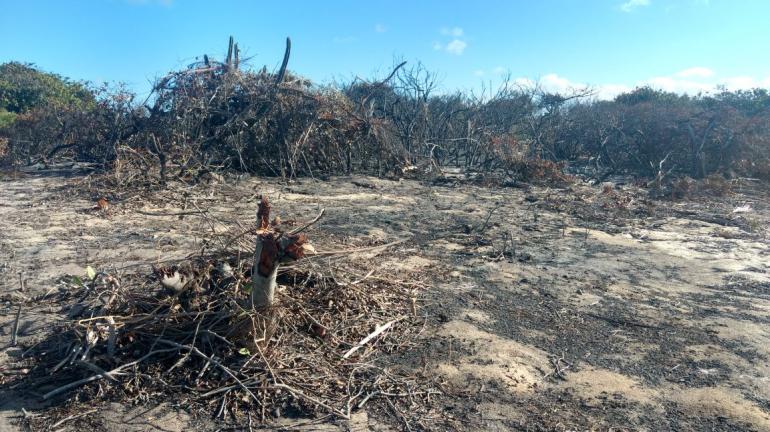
<point x="294" y="248"/>
<point x="268" y="258"/>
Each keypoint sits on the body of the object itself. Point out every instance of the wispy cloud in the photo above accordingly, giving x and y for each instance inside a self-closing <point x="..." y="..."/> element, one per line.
<point x="559" y="84"/>
<point x="699" y="81"/>
<point x="677" y="84"/>
<point x="689" y="86"/>
<point x="555" y="83"/>
<point x="631" y="5"/>
<point x="380" y="28"/>
<point x="456" y="45"/>
<point x="695" y="72"/>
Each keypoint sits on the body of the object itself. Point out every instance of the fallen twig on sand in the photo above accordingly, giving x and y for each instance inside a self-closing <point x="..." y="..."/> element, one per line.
<point x="72" y="417"/>
<point x="558" y="369"/>
<point x="377" y="331"/>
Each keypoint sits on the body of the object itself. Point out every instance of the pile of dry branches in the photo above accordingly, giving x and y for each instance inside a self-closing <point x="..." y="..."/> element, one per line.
<point x="313" y="352"/>
<point x="214" y="115"/>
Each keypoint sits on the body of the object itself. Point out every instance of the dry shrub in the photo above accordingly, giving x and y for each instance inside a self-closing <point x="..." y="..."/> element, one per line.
<point x="616" y="200"/>
<point x="682" y="188"/>
<point x="715" y="185"/>
<point x="512" y="157"/>
<point x="544" y="170"/>
<point x="759" y="169"/>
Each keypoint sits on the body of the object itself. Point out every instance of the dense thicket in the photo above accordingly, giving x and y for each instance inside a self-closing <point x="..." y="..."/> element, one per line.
<point x="217" y="115"/>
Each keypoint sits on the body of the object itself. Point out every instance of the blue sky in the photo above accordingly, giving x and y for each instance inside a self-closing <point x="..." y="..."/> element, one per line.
<point x="612" y="45"/>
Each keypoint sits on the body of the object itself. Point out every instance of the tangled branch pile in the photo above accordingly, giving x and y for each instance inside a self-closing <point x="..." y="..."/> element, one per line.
<point x="214" y="115"/>
<point x="199" y="342"/>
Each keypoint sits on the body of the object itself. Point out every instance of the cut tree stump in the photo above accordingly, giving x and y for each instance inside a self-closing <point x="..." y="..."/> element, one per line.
<point x="272" y="248"/>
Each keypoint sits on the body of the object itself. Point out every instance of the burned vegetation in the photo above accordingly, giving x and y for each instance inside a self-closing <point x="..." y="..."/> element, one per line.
<point x="216" y="116"/>
<point x="276" y="319"/>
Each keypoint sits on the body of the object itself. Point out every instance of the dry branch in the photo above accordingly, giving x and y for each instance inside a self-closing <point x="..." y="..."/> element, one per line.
<point x="285" y="63"/>
<point x="377" y="331"/>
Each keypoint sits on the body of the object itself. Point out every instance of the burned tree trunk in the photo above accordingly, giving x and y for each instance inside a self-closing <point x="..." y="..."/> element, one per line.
<point x="272" y="248"/>
<point x="264" y="273"/>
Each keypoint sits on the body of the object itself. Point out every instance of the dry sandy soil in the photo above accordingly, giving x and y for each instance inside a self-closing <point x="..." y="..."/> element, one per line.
<point x="548" y="308"/>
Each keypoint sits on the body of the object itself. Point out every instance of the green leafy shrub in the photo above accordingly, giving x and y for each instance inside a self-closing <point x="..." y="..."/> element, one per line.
<point x="6" y="118"/>
<point x="24" y="87"/>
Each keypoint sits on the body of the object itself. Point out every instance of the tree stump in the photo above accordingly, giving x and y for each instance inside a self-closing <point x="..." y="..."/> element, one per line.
<point x="272" y="248"/>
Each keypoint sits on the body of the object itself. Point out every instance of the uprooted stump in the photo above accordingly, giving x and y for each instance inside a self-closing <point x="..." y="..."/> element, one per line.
<point x="188" y="333"/>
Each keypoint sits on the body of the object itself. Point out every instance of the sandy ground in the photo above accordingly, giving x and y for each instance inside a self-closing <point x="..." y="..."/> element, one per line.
<point x="549" y="309"/>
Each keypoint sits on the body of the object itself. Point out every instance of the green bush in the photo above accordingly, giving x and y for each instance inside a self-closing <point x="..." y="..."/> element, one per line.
<point x="6" y="118"/>
<point x="24" y="87"/>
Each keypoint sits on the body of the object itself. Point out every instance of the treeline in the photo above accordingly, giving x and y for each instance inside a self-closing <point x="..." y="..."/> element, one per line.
<point x="216" y="115"/>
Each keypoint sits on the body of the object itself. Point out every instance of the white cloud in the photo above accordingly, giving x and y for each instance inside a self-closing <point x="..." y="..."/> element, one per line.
<point x="745" y="83"/>
<point x="453" y="31"/>
<point x="524" y="82"/>
<point x="695" y="72"/>
<point x="456" y="47"/>
<point x="552" y="83"/>
<point x="556" y="83"/>
<point x="609" y="91"/>
<point x="740" y="82"/>
<point x="676" y="83"/>
<point x="380" y="28"/>
<point x="631" y="5"/>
